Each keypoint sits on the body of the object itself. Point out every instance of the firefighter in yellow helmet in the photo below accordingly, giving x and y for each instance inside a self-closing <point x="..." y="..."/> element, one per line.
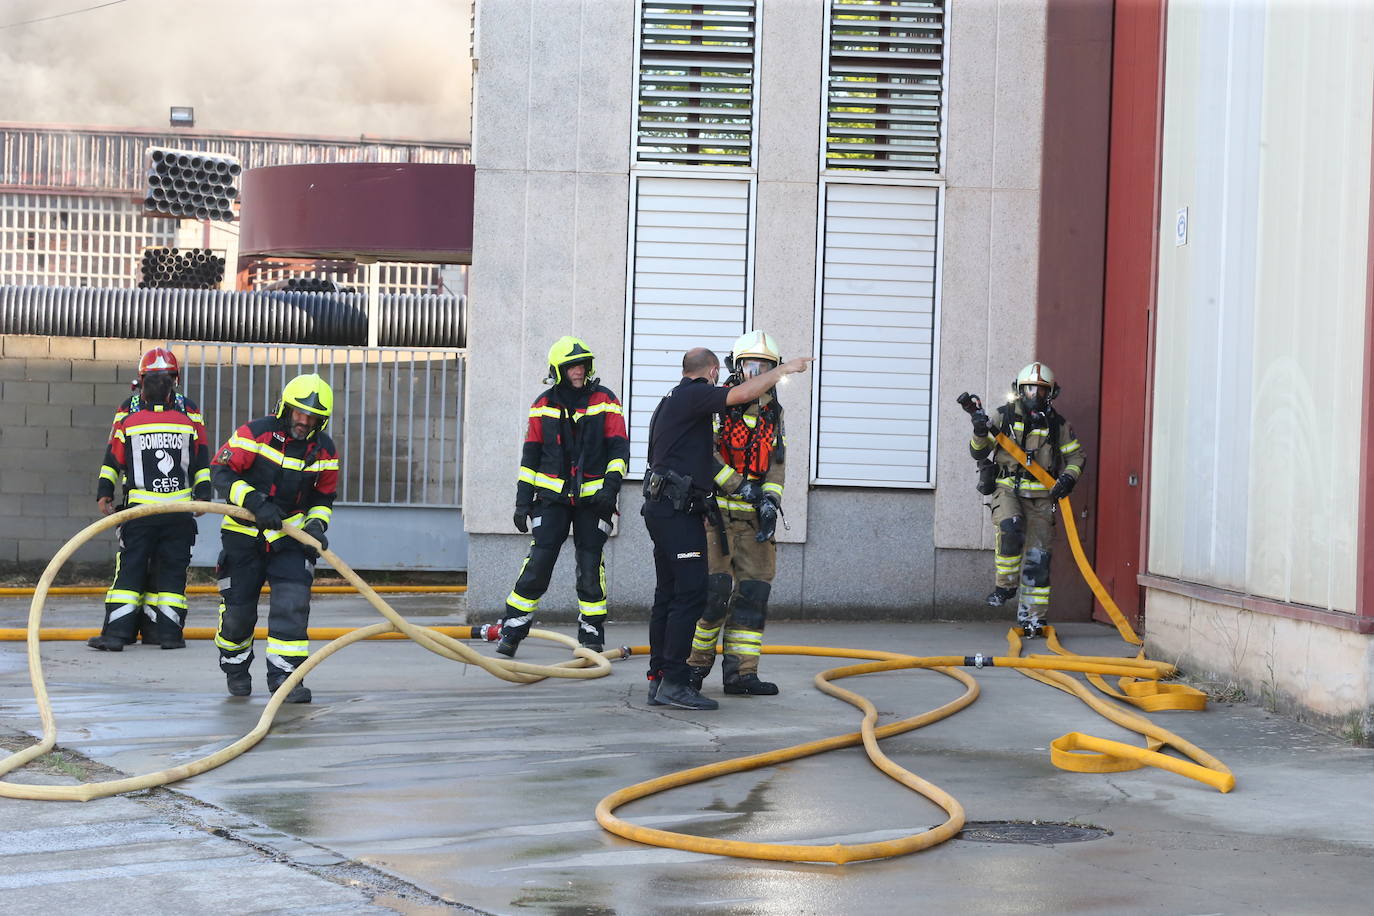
<point x="1022" y="507"/>
<point x="749" y="452"/>
<point x="574" y="457"/>
<point x="282" y="468"/>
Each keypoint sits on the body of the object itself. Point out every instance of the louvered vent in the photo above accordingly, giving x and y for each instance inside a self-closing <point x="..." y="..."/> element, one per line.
<point x="696" y="83"/>
<point x="885" y="85"/>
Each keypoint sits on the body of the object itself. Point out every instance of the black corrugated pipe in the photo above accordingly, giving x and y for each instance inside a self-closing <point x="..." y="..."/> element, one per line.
<point x="333" y="319"/>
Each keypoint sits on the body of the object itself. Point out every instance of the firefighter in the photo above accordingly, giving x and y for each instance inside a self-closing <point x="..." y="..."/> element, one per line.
<point x="574" y="459"/>
<point x="677" y="492"/>
<point x="158" y="448"/>
<point x="750" y="446"/>
<point x="1022" y="507"/>
<point x="282" y="468"/>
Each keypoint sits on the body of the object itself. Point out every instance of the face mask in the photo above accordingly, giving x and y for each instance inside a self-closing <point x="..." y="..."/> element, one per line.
<point x="752" y="367"/>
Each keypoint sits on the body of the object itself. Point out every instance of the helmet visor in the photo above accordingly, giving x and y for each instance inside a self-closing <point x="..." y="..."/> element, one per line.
<point x="1035" y="396"/>
<point x="751" y="366"/>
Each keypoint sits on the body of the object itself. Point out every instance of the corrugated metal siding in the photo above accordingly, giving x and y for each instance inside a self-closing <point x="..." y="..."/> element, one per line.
<point x="690" y="285"/>
<point x="877" y="327"/>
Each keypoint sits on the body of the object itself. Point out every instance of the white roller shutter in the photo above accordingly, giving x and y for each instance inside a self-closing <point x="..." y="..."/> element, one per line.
<point x="689" y="285"/>
<point x="876" y="336"/>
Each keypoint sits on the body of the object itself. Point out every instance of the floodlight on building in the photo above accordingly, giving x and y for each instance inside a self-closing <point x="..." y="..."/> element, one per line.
<point x="183" y="116"/>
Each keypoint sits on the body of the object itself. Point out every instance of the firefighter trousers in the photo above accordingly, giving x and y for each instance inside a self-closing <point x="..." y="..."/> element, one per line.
<point x="149" y="585"/>
<point x="245" y="564"/>
<point x="738" y="586"/>
<point x="590" y="526"/>
<point x="1024" y="527"/>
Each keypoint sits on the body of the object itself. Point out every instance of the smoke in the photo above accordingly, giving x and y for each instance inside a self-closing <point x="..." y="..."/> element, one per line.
<point x="341" y="67"/>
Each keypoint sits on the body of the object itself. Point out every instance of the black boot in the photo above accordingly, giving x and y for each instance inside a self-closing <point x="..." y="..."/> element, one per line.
<point x="696" y="675"/>
<point x="683" y="696"/>
<point x="751" y="685"/>
<point x="172" y="642"/>
<point x="653" y="700"/>
<point x="591" y="633"/>
<point x="240" y="683"/>
<point x="507" y="646"/>
<point x="1000" y="596"/>
<point x="299" y="694"/>
<point x="108" y="643"/>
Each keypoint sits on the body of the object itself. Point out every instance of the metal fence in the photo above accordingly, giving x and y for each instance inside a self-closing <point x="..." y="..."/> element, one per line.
<point x="397" y="418"/>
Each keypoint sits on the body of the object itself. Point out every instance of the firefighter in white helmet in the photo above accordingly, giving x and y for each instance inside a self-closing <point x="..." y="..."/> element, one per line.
<point x="1023" y="507"/>
<point x="750" y="451"/>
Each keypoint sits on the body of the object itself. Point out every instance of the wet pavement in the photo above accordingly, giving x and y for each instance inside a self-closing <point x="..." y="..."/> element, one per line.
<point x="421" y="785"/>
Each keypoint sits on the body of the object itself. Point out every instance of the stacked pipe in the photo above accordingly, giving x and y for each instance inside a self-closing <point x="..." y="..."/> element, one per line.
<point x="284" y="316"/>
<point x="181" y="268"/>
<point x="190" y="185"/>
<point x="314" y="285"/>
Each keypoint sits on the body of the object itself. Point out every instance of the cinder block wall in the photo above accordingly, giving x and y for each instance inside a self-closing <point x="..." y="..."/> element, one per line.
<point x="59" y="396"/>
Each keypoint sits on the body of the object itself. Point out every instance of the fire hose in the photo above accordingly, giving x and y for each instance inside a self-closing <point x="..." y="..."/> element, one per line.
<point x="584" y="664"/>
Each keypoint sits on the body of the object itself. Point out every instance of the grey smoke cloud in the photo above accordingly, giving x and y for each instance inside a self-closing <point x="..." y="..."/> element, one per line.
<point x="394" y="68"/>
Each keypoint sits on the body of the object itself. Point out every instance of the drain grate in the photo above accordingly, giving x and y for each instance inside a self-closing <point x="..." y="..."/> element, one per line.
<point x="1035" y="833"/>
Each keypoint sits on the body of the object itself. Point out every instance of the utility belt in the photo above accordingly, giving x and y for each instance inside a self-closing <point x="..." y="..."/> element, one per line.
<point x="677" y="490"/>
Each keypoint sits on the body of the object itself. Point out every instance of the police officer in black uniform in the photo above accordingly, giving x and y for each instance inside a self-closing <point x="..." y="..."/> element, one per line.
<point x="677" y="493"/>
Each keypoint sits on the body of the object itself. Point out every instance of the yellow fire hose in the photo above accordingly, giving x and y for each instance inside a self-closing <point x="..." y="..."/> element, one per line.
<point x="71" y="634"/>
<point x="27" y="591"/>
<point x="584" y="664"/>
<point x="1074" y="751"/>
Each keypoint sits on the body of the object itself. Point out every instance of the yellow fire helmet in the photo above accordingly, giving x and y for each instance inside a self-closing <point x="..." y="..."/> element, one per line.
<point x="1037" y="374"/>
<point x="753" y="345"/>
<point x="565" y="352"/>
<point x="309" y="393"/>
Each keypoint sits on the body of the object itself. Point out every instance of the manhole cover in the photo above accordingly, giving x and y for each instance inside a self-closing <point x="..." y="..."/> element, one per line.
<point x="1043" y="833"/>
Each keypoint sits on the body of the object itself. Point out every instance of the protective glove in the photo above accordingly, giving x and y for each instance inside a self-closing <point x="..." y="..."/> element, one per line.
<point x="315" y="528"/>
<point x="523" y="511"/>
<point x="1063" y="487"/>
<point x="980" y="422"/>
<point x="605" y="497"/>
<point x="750" y="491"/>
<point x="268" y="515"/>
<point x="768" y="519"/>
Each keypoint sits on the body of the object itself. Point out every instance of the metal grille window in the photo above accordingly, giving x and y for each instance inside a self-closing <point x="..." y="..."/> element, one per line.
<point x="70" y="240"/>
<point x="690" y="286"/>
<point x="877" y="331"/>
<point x="886" y="77"/>
<point x="696" y="82"/>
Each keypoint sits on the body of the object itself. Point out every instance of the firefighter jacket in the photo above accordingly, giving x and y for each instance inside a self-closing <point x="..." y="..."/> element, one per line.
<point x="1050" y="444"/>
<point x="750" y="444"/>
<point x="261" y="461"/>
<point x="573" y="439"/>
<point x="161" y="453"/>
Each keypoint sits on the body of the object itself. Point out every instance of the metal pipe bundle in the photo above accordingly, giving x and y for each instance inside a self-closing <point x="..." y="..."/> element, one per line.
<point x="191" y="185"/>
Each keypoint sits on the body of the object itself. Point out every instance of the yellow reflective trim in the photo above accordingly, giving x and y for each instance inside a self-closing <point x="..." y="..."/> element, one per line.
<point x="590" y="487"/>
<point x="299" y="647"/>
<point x="604" y="407"/>
<point x="617" y="466"/>
<point x="248" y="445"/>
<point x="773" y="488"/>
<point x="203" y="475"/>
<point x="123" y="596"/>
<point x="238" y="491"/>
<point x="524" y="604"/>
<point x="549" y="483"/>
<point x="735" y="505"/>
<point x="143" y="428"/>
<point x="526" y="475"/>
<point x="324" y="464"/>
<point x="591" y="608"/>
<point x="544" y="412"/>
<point x="233" y="646"/>
<point x="724" y="474"/>
<point x="323" y="513"/>
<point x="148" y="496"/>
<point x="110" y="474"/>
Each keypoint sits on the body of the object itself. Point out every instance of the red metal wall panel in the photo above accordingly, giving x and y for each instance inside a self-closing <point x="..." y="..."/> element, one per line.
<point x="1127" y="330"/>
<point x="1078" y="61"/>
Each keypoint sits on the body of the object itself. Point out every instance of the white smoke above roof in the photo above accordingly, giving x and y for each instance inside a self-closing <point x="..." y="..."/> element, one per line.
<point x="339" y="67"/>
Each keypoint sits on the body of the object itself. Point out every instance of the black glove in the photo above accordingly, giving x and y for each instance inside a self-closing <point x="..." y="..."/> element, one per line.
<point x="315" y="528"/>
<point x="980" y="422"/>
<point x="750" y="491"/>
<point x="522" y="513"/>
<point x="268" y="515"/>
<point x="768" y="519"/>
<point x="1063" y="487"/>
<point x="605" y="497"/>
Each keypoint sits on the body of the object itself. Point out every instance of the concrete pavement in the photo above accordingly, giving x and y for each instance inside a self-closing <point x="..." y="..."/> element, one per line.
<point x="420" y="785"/>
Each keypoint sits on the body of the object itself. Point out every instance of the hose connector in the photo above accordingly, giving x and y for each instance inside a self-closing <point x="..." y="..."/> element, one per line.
<point x="979" y="660"/>
<point x="625" y="652"/>
<point x="488" y="631"/>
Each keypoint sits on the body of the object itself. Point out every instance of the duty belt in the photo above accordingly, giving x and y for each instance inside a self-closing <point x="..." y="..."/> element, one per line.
<point x="676" y="489"/>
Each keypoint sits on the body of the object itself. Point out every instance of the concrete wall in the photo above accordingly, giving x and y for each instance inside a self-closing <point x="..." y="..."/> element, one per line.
<point x="1296" y="667"/>
<point x="59" y="397"/>
<point x="552" y="140"/>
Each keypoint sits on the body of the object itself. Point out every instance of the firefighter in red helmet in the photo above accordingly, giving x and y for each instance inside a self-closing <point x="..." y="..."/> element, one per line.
<point x="158" y="451"/>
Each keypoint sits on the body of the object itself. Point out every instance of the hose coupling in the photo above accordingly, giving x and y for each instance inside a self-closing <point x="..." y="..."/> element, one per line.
<point x="488" y="631"/>
<point x="625" y="652"/>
